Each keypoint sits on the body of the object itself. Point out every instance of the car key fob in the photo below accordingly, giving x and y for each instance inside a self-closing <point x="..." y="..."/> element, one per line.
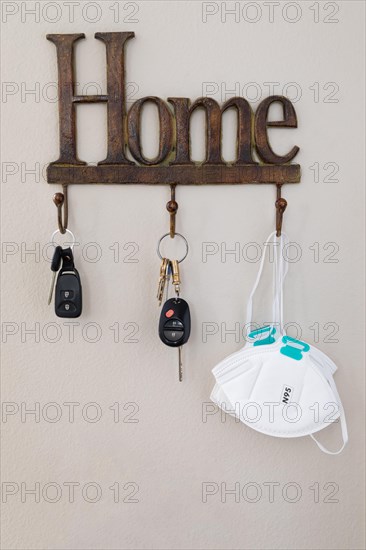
<point x="68" y="293"/>
<point x="175" y="322"/>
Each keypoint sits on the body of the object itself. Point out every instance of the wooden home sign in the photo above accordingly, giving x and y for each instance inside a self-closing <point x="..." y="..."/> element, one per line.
<point x="173" y="163"/>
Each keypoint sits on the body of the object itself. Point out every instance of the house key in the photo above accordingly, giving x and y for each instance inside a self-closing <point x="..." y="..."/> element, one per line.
<point x="55" y="266"/>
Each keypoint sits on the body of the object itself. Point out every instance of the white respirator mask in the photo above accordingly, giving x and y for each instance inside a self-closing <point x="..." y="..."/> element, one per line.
<point x="276" y="384"/>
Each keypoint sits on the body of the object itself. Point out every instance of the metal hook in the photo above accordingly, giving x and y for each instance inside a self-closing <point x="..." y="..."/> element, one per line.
<point x="172" y="207"/>
<point x="60" y="199"/>
<point x="281" y="205"/>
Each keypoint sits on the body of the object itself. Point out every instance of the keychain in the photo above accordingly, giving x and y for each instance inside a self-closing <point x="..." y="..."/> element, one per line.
<point x="175" y="318"/>
<point x="68" y="292"/>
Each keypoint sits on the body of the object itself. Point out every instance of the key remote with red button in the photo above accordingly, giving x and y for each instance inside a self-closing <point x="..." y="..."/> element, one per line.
<point x="175" y="322"/>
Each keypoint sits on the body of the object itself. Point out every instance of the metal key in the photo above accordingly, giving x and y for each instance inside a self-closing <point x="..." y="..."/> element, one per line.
<point x="176" y="276"/>
<point x="55" y="266"/>
<point x="176" y="283"/>
<point x="162" y="279"/>
<point x="167" y="278"/>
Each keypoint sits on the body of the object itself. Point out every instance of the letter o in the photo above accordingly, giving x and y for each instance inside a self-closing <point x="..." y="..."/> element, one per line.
<point x="57" y="336"/>
<point x="258" y="492"/>
<point x="58" y="492"/>
<point x="98" y="252"/>
<point x="297" y="88"/>
<point x="93" y="419"/>
<point x="286" y="252"/>
<point x="246" y="256"/>
<point x="52" y="419"/>
<point x="165" y="130"/>
<point x="98" y="12"/>
<point x="290" y="324"/>
<point x="298" y="12"/>
<point x="292" y="420"/>
<point x="45" y="95"/>
<point x="97" y="488"/>
<point x="87" y="337"/>
<point x="258" y="409"/>
<point x="45" y="249"/>
<point x="298" y="492"/>
<point x="246" y="8"/>
<point x="254" y="85"/>
<point x="93" y="85"/>
<point x="45" y="15"/>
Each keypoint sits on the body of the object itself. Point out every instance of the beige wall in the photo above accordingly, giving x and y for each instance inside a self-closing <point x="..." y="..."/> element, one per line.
<point x="169" y="452"/>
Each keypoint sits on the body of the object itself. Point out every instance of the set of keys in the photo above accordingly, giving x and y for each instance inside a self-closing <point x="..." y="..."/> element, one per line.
<point x="68" y="293"/>
<point x="168" y="269"/>
<point x="175" y="318"/>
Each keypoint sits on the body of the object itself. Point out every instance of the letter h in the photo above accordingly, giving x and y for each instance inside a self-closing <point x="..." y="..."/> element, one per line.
<point x="115" y="97"/>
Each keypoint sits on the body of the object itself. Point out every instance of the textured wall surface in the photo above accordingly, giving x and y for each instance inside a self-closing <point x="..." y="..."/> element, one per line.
<point x="137" y="450"/>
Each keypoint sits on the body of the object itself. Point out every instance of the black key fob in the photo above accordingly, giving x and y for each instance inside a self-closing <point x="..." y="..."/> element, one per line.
<point x="175" y="322"/>
<point x="68" y="293"/>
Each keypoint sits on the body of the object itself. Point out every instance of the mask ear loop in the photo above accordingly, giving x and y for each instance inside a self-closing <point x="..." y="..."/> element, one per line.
<point x="275" y="308"/>
<point x="249" y="312"/>
<point x="280" y="269"/>
<point x="342" y="417"/>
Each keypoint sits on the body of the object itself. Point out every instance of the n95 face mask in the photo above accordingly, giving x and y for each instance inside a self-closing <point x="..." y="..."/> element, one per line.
<point x="276" y="384"/>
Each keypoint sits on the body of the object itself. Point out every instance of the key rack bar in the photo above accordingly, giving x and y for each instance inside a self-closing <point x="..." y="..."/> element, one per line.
<point x="174" y="174"/>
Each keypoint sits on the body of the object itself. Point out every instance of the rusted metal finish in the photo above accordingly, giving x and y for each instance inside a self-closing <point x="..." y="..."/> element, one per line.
<point x="165" y="134"/>
<point x="115" y="97"/>
<point x="172" y="207"/>
<point x="173" y="163"/>
<point x="62" y="203"/>
<point x="183" y="175"/>
<point x="281" y="205"/>
<point x="261" y="124"/>
<point x="183" y="112"/>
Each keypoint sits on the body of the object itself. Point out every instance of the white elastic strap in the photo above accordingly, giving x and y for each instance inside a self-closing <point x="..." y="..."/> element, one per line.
<point x="344" y="437"/>
<point x="275" y="282"/>
<point x="259" y="274"/>
<point x="280" y="269"/>
<point x="343" y="422"/>
<point x="280" y="272"/>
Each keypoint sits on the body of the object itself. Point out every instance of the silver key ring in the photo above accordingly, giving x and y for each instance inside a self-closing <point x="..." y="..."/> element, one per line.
<point x="67" y="231"/>
<point x="168" y="235"/>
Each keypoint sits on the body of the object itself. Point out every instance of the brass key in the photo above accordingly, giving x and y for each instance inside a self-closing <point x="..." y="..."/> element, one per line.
<point x="162" y="279"/>
<point x="175" y="276"/>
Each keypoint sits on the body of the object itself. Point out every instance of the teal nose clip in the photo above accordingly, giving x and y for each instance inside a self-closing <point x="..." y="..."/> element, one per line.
<point x="256" y="335"/>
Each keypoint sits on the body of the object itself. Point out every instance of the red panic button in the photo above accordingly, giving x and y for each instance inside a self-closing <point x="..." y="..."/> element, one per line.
<point x="169" y="313"/>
